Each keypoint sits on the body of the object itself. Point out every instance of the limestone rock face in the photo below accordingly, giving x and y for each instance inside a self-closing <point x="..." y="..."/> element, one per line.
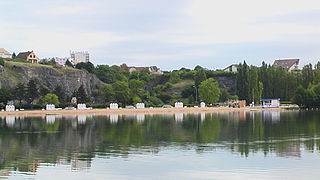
<point x="69" y="79"/>
<point x="227" y="82"/>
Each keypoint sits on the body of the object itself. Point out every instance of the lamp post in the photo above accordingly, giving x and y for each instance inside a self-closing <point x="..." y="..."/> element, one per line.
<point x="196" y="93"/>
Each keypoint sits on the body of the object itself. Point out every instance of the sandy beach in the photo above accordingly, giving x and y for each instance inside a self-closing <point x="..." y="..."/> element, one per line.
<point x="101" y="112"/>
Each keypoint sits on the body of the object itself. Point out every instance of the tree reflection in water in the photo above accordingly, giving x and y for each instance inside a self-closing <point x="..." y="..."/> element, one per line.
<point x="75" y="140"/>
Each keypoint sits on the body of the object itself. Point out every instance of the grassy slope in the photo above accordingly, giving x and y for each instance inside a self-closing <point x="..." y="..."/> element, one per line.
<point x="16" y="76"/>
<point x="178" y="87"/>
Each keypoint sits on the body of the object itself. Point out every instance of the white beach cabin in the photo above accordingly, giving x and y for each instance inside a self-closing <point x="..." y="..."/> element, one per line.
<point x="270" y="103"/>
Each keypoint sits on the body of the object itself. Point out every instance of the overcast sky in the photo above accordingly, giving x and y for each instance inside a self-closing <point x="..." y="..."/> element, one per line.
<point x="168" y="33"/>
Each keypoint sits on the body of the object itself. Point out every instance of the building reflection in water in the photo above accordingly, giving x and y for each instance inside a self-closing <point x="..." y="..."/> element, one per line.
<point x="114" y="118"/>
<point x="272" y="116"/>
<point x="10" y="121"/>
<point x="50" y="119"/>
<point x="178" y="117"/>
<point x="203" y="116"/>
<point x="77" y="164"/>
<point x="140" y="118"/>
<point x="82" y="119"/>
<point x="239" y="131"/>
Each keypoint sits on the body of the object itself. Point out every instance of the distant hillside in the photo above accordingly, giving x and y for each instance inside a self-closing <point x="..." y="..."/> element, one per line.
<point x="70" y="79"/>
<point x="178" y="87"/>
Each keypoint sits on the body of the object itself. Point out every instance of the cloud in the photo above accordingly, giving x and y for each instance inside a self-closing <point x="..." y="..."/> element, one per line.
<point x="171" y="33"/>
<point x="54" y="42"/>
<point x="229" y="21"/>
<point x="67" y="10"/>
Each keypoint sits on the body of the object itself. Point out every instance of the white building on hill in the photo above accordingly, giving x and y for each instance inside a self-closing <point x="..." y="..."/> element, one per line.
<point x="80" y="56"/>
<point x="62" y="61"/>
<point x="4" y="53"/>
<point x="287" y="64"/>
<point x="232" y="68"/>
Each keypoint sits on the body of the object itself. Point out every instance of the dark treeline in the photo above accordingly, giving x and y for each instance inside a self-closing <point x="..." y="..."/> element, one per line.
<point x="129" y="88"/>
<point x="269" y="82"/>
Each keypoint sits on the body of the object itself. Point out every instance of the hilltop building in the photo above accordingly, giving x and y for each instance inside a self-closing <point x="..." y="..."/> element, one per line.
<point x="28" y="56"/>
<point x="62" y="61"/>
<point x="4" y="53"/>
<point x="232" y="68"/>
<point x="152" y="69"/>
<point x="80" y="56"/>
<point x="287" y="64"/>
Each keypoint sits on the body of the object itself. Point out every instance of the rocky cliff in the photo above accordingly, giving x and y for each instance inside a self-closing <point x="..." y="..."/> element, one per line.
<point x="69" y="79"/>
<point x="227" y="82"/>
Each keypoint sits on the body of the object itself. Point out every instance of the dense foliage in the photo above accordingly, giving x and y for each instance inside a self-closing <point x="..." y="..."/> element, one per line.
<point x="128" y="88"/>
<point x="267" y="81"/>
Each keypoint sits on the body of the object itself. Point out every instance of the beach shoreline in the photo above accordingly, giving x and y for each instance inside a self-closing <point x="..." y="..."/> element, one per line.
<point x="101" y="112"/>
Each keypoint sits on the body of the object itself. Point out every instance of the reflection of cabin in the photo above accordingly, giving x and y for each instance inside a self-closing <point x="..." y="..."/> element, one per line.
<point x="274" y="103"/>
<point x="28" y="56"/>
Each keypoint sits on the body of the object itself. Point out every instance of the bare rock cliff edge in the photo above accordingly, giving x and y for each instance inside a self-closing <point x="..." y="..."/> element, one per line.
<point x="69" y="79"/>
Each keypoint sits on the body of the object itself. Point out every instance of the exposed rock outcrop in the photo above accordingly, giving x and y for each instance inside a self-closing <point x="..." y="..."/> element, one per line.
<point x="227" y="82"/>
<point x="68" y="78"/>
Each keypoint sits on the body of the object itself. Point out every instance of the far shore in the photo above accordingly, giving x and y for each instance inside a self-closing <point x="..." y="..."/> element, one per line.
<point x="102" y="112"/>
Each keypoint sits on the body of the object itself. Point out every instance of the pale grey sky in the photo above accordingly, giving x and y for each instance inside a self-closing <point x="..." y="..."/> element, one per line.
<point x="168" y="33"/>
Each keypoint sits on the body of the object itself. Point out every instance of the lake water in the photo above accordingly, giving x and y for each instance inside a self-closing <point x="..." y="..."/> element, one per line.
<point x="225" y="145"/>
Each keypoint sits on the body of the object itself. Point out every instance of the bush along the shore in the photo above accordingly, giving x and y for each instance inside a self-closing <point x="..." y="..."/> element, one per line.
<point x="309" y="97"/>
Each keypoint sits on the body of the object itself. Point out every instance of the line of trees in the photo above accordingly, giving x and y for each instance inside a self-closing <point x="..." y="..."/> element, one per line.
<point x="127" y="88"/>
<point x="31" y="95"/>
<point x="254" y="83"/>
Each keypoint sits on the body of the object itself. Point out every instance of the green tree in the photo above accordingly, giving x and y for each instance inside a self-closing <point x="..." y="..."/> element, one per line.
<point x="60" y="93"/>
<point x="316" y="77"/>
<point x="317" y="66"/>
<point x="299" y="96"/>
<point x="188" y="91"/>
<point x="13" y="55"/>
<point x="68" y="63"/>
<point x="50" y="99"/>
<point x="86" y="65"/>
<point x="136" y="87"/>
<point x="209" y="91"/>
<point x="200" y="76"/>
<point x="154" y="101"/>
<point x="242" y="81"/>
<point x="43" y="91"/>
<point x="82" y="95"/>
<point x="5" y="95"/>
<point x="136" y="99"/>
<point x="307" y="75"/>
<point x="19" y="92"/>
<point x="260" y="90"/>
<point x="32" y="92"/>
<point x="253" y="84"/>
<point x="144" y="75"/>
<point x="122" y="92"/>
<point x="108" y="93"/>
<point x="225" y="96"/>
<point x="174" y="77"/>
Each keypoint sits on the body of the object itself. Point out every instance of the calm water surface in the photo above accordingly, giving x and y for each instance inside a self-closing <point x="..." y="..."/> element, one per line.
<point x="226" y="145"/>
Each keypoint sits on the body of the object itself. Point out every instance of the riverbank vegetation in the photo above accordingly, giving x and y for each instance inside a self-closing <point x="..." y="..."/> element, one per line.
<point x="191" y="86"/>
